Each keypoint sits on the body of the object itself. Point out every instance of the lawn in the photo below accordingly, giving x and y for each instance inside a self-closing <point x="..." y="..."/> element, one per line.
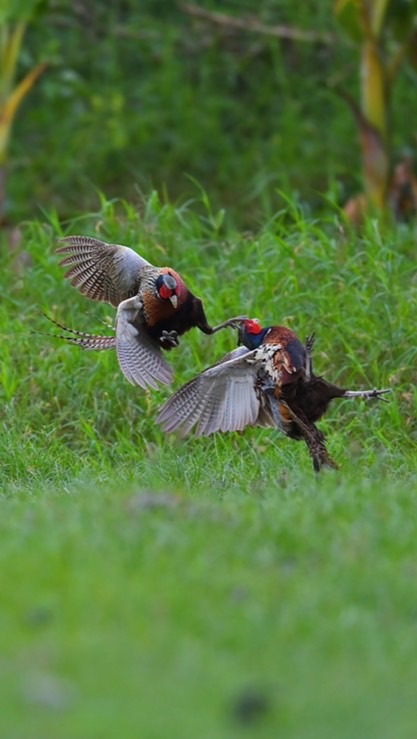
<point x="216" y="587"/>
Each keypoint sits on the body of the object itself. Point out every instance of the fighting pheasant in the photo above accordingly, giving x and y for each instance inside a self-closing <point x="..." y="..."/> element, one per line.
<point x="154" y="306"/>
<point x="267" y="381"/>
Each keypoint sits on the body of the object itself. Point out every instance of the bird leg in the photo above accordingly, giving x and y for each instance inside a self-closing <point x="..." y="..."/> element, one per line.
<point x="366" y="394"/>
<point x="232" y="322"/>
<point x="310" y="341"/>
<point x="309" y="360"/>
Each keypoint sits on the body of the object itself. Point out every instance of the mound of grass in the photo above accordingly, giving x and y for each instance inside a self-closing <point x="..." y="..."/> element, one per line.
<point x="158" y="587"/>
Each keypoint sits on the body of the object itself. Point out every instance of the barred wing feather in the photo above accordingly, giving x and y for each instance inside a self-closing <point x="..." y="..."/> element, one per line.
<point x="140" y="357"/>
<point x="101" y="271"/>
<point x="222" y="398"/>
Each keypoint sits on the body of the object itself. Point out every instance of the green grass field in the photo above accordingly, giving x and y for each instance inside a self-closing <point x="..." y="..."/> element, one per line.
<point x="210" y="588"/>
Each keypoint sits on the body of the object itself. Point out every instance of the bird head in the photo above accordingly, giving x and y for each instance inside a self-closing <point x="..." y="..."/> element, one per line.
<point x="167" y="288"/>
<point x="251" y="333"/>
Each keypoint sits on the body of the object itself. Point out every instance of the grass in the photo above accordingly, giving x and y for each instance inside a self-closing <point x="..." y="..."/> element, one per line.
<point x="213" y="587"/>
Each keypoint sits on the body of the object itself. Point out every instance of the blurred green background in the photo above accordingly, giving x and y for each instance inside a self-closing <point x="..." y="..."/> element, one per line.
<point x="146" y="95"/>
<point x="209" y="588"/>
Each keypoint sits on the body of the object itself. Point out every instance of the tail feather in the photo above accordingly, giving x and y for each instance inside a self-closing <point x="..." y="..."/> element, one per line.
<point x="315" y="441"/>
<point x="91" y="342"/>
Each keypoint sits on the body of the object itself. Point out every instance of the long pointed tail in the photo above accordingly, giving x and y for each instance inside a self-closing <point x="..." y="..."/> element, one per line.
<point x="90" y="342"/>
<point x="316" y="444"/>
<point x="313" y="437"/>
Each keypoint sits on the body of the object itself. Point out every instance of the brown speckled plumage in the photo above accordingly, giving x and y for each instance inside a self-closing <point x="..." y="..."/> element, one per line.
<point x="154" y="306"/>
<point x="269" y="382"/>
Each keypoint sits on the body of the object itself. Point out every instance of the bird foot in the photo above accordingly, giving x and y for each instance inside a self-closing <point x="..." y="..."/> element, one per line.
<point x="169" y="339"/>
<point x="367" y="394"/>
<point x="310" y="341"/>
<point x="267" y="386"/>
<point x="232" y="322"/>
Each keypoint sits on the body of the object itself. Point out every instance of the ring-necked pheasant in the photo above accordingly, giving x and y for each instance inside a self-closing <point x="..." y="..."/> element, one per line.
<point x="269" y="381"/>
<point x="154" y="306"/>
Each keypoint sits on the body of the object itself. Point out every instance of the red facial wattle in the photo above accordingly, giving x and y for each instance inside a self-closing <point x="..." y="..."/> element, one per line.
<point x="165" y="292"/>
<point x="253" y="326"/>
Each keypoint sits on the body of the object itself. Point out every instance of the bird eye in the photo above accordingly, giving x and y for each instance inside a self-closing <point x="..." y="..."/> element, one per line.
<point x="169" y="281"/>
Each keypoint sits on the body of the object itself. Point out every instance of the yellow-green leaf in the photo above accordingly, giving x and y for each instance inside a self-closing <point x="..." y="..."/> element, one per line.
<point x="9" y="110"/>
<point x="349" y="13"/>
<point x="10" y="56"/>
<point x="377" y="10"/>
<point x="373" y="87"/>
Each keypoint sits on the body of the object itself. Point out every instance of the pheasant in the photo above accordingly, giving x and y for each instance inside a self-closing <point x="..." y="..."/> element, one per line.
<point x="267" y="381"/>
<point x="154" y="306"/>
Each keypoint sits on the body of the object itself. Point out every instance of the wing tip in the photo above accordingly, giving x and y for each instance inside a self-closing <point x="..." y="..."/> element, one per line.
<point x="68" y="242"/>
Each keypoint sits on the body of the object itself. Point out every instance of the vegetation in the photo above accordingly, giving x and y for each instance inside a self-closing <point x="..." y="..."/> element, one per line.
<point x="190" y="588"/>
<point x="13" y="23"/>
<point x="212" y="587"/>
<point x="386" y="32"/>
<point x="125" y="85"/>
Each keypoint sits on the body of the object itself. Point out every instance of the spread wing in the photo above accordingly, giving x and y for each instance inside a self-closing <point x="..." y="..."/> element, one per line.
<point x="140" y="357"/>
<point x="222" y="398"/>
<point x="101" y="271"/>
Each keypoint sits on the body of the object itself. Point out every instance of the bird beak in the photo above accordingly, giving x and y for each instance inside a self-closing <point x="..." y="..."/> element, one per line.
<point x="174" y="300"/>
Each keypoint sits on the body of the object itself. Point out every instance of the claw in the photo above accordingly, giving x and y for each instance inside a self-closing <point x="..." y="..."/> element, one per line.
<point x="169" y="338"/>
<point x="310" y="341"/>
